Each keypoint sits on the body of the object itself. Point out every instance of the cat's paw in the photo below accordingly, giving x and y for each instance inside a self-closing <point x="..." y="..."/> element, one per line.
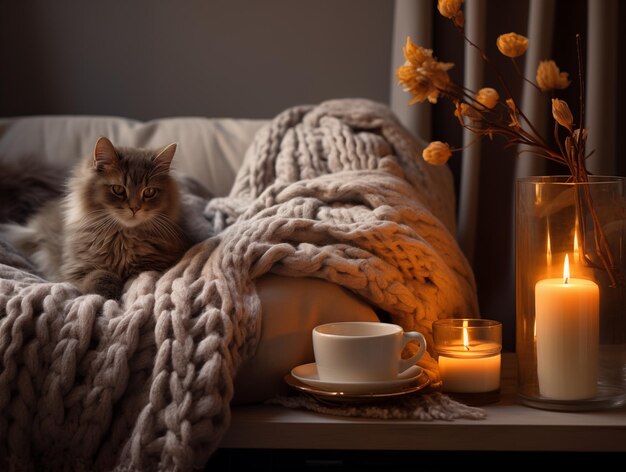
<point x="103" y="282"/>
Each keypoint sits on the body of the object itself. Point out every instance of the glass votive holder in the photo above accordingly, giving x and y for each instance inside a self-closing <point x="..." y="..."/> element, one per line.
<point x="570" y="260"/>
<point x="469" y="357"/>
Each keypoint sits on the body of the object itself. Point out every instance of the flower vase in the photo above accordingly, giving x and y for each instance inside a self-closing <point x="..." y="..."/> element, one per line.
<point x="571" y="292"/>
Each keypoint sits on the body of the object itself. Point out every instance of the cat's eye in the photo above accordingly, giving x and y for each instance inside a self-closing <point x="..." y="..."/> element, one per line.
<point x="118" y="190"/>
<point x="150" y="192"/>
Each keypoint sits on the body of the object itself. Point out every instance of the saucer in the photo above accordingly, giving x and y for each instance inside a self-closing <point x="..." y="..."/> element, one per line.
<point x="332" y="398"/>
<point x="307" y="374"/>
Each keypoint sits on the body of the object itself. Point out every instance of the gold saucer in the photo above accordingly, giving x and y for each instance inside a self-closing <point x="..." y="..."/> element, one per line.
<point x="421" y="382"/>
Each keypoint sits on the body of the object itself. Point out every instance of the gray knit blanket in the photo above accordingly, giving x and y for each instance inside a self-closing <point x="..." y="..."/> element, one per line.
<point x="336" y="191"/>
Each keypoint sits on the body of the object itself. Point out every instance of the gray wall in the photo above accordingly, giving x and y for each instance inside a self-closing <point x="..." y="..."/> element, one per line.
<point x="219" y="58"/>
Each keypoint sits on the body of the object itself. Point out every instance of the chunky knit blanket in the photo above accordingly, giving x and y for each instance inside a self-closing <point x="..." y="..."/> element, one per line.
<point x="337" y="191"/>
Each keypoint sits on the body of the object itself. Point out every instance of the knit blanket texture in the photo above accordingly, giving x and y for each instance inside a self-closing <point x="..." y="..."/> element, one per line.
<point x="336" y="191"/>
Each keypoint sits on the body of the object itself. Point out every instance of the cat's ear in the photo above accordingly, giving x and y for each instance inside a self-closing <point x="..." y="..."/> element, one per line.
<point x="164" y="157"/>
<point x="104" y="154"/>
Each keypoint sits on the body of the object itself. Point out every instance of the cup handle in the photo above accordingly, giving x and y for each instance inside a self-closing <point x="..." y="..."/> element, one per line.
<point x="411" y="361"/>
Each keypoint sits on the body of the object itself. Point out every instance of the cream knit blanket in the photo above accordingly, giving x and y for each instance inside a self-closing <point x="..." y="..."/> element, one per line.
<point x="336" y="191"/>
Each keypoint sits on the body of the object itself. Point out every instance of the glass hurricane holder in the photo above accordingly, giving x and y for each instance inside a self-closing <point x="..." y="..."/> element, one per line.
<point x="570" y="292"/>
<point x="468" y="353"/>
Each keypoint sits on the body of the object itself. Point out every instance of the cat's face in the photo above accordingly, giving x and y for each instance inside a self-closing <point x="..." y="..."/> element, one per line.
<point x="132" y="186"/>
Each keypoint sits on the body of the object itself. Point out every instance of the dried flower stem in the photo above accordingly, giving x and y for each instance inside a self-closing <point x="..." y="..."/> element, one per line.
<point x="484" y="113"/>
<point x="579" y="171"/>
<point x="522" y="76"/>
<point x="574" y="159"/>
<point x="581" y="83"/>
<point x="501" y="80"/>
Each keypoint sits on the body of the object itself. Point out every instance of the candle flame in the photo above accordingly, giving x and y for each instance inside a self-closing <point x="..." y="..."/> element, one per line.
<point x="566" y="270"/>
<point x="465" y="335"/>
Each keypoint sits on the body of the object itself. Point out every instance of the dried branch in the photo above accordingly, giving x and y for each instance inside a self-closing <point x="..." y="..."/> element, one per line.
<point x="482" y="113"/>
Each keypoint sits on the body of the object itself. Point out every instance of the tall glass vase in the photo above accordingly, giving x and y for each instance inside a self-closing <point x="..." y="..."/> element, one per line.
<point x="571" y="292"/>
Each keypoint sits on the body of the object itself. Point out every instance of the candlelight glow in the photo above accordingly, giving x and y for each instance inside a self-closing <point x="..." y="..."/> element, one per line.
<point x="465" y="335"/>
<point x="537" y="195"/>
<point x="549" y="252"/>
<point x="566" y="270"/>
<point x="576" y="246"/>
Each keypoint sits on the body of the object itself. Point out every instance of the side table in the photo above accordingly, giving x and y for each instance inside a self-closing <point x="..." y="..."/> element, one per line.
<point x="509" y="426"/>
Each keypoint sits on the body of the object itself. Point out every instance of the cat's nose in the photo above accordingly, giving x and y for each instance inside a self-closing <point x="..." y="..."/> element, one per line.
<point x="134" y="209"/>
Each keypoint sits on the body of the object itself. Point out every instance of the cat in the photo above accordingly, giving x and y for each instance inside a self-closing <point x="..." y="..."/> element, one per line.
<point x="121" y="216"/>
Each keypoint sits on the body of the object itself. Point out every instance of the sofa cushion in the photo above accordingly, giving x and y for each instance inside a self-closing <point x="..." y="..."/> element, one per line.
<point x="210" y="150"/>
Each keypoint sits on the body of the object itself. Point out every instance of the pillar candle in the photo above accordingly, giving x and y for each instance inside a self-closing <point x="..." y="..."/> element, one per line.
<point x="566" y="317"/>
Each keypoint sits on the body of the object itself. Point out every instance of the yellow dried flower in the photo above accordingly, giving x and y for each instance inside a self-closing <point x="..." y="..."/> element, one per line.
<point x="487" y="97"/>
<point x="512" y="113"/>
<point x="562" y="114"/>
<point x="459" y="19"/>
<point x="437" y="153"/>
<point x="549" y="77"/>
<point x="511" y="104"/>
<point x="464" y="110"/>
<point x="512" y="44"/>
<point x="422" y="75"/>
<point x="449" y="8"/>
<point x="576" y="132"/>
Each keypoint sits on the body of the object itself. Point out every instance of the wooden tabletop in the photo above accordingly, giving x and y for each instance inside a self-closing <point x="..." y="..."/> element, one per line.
<point x="509" y="426"/>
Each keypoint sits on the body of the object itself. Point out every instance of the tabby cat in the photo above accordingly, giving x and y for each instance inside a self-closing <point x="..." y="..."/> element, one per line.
<point x="121" y="216"/>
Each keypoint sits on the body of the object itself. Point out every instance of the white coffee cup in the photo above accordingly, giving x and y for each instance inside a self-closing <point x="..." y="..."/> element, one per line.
<point x="361" y="351"/>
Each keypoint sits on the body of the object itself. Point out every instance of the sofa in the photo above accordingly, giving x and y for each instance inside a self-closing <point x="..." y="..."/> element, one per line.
<point x="222" y="156"/>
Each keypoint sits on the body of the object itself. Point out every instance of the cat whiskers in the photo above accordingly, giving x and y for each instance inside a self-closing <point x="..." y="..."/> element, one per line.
<point x="93" y="217"/>
<point x="103" y="225"/>
<point x="94" y="214"/>
<point x="99" y="224"/>
<point x="165" y="227"/>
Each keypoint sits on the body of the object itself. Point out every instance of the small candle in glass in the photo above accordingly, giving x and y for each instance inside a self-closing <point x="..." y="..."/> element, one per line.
<point x="469" y="354"/>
